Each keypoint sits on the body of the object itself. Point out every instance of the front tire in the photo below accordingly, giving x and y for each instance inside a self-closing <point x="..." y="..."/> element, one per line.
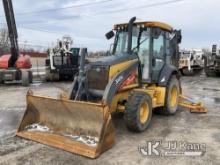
<point x="138" y="112"/>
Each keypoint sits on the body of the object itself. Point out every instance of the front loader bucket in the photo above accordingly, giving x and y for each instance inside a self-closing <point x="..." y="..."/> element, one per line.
<point x="78" y="127"/>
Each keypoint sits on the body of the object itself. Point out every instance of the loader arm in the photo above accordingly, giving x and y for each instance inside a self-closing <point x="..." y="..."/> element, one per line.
<point x="192" y="105"/>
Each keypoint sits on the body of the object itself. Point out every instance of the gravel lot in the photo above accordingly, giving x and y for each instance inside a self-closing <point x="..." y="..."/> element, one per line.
<point x="184" y="126"/>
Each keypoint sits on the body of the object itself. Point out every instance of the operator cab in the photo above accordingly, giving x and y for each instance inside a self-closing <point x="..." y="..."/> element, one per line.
<point x="151" y="42"/>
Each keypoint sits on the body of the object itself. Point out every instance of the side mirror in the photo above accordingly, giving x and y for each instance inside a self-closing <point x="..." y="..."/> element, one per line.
<point x="110" y="35"/>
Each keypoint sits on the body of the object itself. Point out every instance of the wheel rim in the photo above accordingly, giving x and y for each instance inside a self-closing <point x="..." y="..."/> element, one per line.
<point x="173" y="98"/>
<point x="144" y="113"/>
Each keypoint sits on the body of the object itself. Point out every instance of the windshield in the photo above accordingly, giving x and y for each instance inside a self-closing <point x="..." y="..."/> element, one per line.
<point x="139" y="37"/>
<point x="121" y="42"/>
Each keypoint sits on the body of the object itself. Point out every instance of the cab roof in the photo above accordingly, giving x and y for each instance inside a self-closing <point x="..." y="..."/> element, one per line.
<point x="147" y="24"/>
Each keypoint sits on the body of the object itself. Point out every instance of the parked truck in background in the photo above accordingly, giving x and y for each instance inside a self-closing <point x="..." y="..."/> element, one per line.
<point x="62" y="61"/>
<point x="212" y="62"/>
<point x="191" y="61"/>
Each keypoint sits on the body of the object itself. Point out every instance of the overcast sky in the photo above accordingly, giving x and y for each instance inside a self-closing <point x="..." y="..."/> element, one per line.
<point x="89" y="20"/>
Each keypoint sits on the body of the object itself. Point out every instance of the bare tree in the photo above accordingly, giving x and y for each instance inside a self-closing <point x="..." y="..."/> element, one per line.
<point x="4" y="41"/>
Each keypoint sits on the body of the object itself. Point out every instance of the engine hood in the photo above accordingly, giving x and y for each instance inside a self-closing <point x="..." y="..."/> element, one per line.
<point x="113" y="59"/>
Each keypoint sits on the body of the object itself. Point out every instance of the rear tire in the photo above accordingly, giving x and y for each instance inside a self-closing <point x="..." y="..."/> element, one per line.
<point x="210" y="73"/>
<point x="50" y="77"/>
<point x="172" y="96"/>
<point x="48" y="74"/>
<point x="25" y="78"/>
<point x="186" y="72"/>
<point x="138" y="112"/>
<point x="56" y="77"/>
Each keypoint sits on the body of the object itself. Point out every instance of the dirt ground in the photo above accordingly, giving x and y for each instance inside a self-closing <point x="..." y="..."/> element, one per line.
<point x="184" y="126"/>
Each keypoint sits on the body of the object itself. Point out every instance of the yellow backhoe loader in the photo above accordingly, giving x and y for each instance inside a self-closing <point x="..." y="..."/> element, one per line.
<point x="139" y="77"/>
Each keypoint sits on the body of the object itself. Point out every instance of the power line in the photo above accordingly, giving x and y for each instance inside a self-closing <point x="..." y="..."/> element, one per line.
<point x="110" y="12"/>
<point x="41" y="30"/>
<point x="107" y="12"/>
<point x="60" y="33"/>
<point x="32" y="44"/>
<point x="51" y="32"/>
<point x="141" y="7"/>
<point x="61" y="8"/>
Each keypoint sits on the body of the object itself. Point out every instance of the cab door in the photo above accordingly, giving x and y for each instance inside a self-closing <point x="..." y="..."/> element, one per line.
<point x="144" y="55"/>
<point x="157" y="53"/>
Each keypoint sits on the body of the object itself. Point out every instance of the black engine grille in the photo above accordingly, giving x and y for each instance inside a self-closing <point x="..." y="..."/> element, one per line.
<point x="98" y="77"/>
